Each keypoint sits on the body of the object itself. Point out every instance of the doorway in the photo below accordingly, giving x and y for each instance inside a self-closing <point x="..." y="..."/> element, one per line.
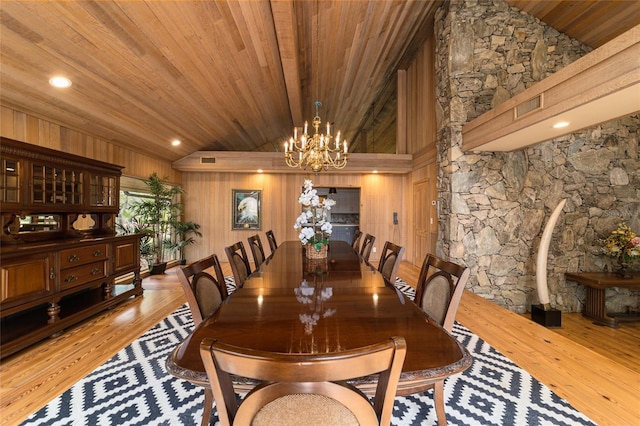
<point x="425" y="219"/>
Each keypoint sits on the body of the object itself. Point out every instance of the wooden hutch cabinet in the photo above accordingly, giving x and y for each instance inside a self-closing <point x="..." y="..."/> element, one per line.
<point x="60" y="258"/>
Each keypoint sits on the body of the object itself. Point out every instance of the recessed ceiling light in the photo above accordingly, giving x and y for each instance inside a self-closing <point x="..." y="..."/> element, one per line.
<point x="60" y="82"/>
<point x="560" y="125"/>
<point x="375" y="171"/>
<point x="259" y="170"/>
<point x="175" y="142"/>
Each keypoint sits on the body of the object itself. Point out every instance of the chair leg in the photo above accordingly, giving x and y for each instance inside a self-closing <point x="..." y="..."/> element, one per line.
<point x="208" y="406"/>
<point x="438" y="401"/>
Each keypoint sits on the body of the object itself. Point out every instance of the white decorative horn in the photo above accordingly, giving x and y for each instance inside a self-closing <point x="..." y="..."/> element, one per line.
<point x="541" y="264"/>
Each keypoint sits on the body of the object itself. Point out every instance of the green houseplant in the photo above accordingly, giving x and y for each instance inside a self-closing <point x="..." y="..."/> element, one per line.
<point x="129" y="225"/>
<point x="157" y="216"/>
<point x="185" y="235"/>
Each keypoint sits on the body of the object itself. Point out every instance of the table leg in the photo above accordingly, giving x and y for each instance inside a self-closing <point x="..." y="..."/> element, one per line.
<point x="438" y="401"/>
<point x="595" y="308"/>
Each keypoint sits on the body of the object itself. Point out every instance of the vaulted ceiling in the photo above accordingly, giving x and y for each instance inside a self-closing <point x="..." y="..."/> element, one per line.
<point x="229" y="75"/>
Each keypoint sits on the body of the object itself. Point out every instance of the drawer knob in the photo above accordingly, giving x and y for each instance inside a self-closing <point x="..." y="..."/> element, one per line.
<point x="97" y="253"/>
<point x="71" y="278"/>
<point x="74" y="258"/>
<point x="96" y="271"/>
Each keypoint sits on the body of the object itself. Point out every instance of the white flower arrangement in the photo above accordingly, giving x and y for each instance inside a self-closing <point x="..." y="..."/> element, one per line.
<point x="312" y="223"/>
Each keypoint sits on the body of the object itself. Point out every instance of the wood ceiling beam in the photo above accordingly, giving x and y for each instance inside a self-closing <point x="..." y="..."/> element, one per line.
<point x="284" y="20"/>
<point x="273" y="162"/>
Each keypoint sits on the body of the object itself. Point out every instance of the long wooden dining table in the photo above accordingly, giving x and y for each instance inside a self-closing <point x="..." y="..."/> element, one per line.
<point x="292" y="304"/>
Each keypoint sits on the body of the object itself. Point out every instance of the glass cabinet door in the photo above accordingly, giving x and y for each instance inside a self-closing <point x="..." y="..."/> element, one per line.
<point x="103" y="191"/>
<point x="55" y="186"/>
<point x="10" y="181"/>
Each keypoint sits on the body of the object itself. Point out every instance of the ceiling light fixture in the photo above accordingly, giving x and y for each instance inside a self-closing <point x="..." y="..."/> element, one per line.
<point x="60" y="82"/>
<point x="560" y="125"/>
<point x="318" y="152"/>
<point x="175" y="142"/>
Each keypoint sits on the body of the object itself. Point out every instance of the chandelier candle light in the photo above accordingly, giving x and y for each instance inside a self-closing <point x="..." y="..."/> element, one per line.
<point x="318" y="151"/>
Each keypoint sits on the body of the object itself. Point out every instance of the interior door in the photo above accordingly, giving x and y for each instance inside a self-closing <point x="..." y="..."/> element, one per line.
<point x="424" y="219"/>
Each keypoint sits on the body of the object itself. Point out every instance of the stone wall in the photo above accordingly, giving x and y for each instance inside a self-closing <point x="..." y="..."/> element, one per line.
<point x="494" y="205"/>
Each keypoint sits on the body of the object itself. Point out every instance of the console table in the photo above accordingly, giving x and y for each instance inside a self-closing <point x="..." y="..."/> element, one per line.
<point x="597" y="283"/>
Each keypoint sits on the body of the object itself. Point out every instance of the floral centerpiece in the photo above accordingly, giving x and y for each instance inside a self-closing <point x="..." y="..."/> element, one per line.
<point x="313" y="224"/>
<point x="623" y="245"/>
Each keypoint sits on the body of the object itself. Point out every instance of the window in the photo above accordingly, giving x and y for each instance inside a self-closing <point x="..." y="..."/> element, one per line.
<point x="132" y="191"/>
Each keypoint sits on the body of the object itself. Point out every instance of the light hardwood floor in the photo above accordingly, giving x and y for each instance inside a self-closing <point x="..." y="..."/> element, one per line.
<point x="596" y="369"/>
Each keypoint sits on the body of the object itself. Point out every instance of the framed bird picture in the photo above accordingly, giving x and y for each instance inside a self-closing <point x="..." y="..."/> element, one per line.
<point x="247" y="209"/>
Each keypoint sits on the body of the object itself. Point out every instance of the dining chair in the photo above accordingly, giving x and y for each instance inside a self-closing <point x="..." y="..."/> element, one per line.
<point x="271" y="238"/>
<point x="367" y="245"/>
<point x="439" y="289"/>
<point x="390" y="259"/>
<point x="438" y="293"/>
<point x="255" y="244"/>
<point x="204" y="295"/>
<point x="237" y="256"/>
<point x="309" y="385"/>
<point x="357" y="236"/>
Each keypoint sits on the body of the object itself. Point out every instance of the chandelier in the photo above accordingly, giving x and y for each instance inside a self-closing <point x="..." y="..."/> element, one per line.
<point x="317" y="152"/>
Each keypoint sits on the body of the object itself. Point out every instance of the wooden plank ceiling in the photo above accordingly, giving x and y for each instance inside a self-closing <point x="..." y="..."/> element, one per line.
<point x="227" y="75"/>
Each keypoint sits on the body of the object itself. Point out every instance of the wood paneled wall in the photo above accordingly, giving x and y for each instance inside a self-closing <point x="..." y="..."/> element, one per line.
<point x="421" y="100"/>
<point x="421" y="133"/>
<point x="27" y="128"/>
<point x="208" y="203"/>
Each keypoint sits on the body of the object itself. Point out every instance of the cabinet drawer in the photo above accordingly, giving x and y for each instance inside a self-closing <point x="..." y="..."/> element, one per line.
<point x="82" y="255"/>
<point x="82" y="274"/>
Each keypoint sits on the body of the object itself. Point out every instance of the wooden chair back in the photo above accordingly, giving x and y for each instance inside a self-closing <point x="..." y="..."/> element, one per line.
<point x="357" y="236"/>
<point x="314" y="384"/>
<point x="271" y="238"/>
<point x="237" y="256"/>
<point x="390" y="261"/>
<point x="367" y="245"/>
<point x="204" y="293"/>
<point x="439" y="289"/>
<point x="255" y="244"/>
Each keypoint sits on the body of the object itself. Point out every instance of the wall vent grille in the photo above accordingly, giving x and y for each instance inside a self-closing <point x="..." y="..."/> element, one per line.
<point x="207" y="160"/>
<point x="528" y="106"/>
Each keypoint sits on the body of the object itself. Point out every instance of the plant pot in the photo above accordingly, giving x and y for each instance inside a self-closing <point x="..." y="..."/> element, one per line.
<point x="158" y="268"/>
<point x="623" y="270"/>
<point x="317" y="266"/>
<point x="313" y="253"/>
<point x="183" y="261"/>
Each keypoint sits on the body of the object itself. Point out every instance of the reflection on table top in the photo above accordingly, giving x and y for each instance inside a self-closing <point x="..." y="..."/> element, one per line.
<point x="285" y="309"/>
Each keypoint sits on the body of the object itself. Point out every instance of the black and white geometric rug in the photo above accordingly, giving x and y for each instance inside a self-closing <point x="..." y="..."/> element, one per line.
<point x="133" y="388"/>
